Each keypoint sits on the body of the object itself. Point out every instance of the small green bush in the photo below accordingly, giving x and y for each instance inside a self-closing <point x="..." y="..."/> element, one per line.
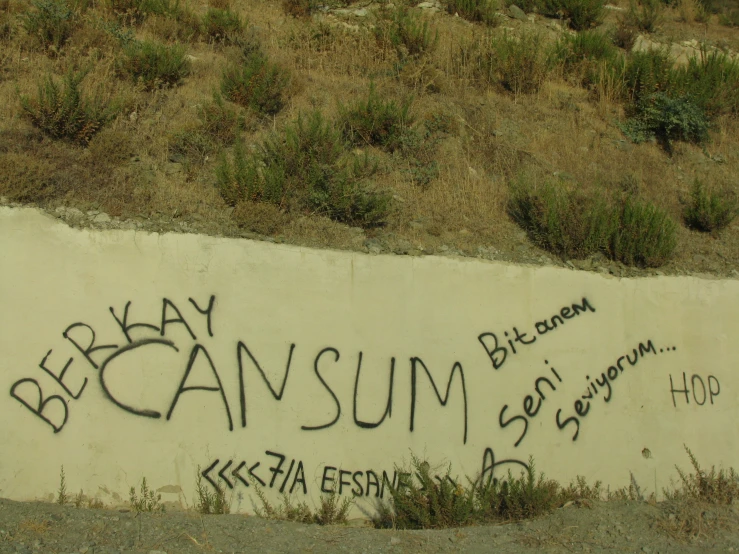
<point x="645" y="235"/>
<point x="646" y="15"/>
<point x="222" y="26"/>
<point x="581" y="14"/>
<point x="147" y="502"/>
<point x="332" y="511"/>
<point x="407" y="32"/>
<point x="305" y="168"/>
<point x="258" y="84"/>
<point x="66" y="113"/>
<point x="667" y="118"/>
<point x="422" y="500"/>
<point x="208" y="501"/>
<point x="483" y="11"/>
<point x="712" y="81"/>
<point x="153" y="64"/>
<point x="567" y="223"/>
<point x="730" y="18"/>
<point x="523" y="497"/>
<point x="425" y="502"/>
<point x="134" y="12"/>
<point x="51" y="23"/>
<point x="377" y="122"/>
<point x="710" y="211"/>
<point x="582" y="54"/>
<point x="518" y="64"/>
<point x="646" y="73"/>
<point x="220" y="121"/>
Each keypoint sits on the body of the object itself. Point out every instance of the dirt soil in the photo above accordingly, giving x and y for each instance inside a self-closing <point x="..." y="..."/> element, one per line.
<point x="613" y="526"/>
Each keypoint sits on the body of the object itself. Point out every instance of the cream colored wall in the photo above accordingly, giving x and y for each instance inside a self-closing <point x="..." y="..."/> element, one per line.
<point x="423" y="313"/>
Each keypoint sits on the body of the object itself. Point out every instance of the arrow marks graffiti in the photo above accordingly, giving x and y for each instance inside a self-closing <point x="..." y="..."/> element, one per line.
<point x="276" y="468"/>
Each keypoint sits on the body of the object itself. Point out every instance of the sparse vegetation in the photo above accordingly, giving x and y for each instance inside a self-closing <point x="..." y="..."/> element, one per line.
<point x="332" y="511"/>
<point x="406" y="31"/>
<point x="210" y="501"/>
<point x="61" y="493"/>
<point x="153" y="64"/>
<point x="51" y="22"/>
<point x="147" y="501"/>
<point x="65" y="113"/>
<point x="377" y="122"/>
<point x="483" y="11"/>
<point x="645" y="235"/>
<point x="306" y="168"/>
<point x="518" y="64"/>
<point x="258" y="84"/>
<point x="689" y="504"/>
<point x="710" y="211"/>
<point x="426" y="500"/>
<point x="222" y="26"/>
<point x="569" y="223"/>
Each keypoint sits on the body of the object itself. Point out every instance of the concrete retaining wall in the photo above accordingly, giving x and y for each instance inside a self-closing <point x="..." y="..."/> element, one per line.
<point x="130" y="354"/>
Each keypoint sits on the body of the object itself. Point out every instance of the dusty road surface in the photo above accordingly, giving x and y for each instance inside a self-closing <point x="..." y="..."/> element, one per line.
<point x="615" y="526"/>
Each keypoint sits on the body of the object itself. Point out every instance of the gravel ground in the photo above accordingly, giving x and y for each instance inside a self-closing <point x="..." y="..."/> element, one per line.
<point x="615" y="526"/>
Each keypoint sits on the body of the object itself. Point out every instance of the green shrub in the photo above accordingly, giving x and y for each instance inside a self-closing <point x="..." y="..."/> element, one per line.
<point x="208" y="501"/>
<point x="667" y="118"/>
<point x="645" y="16"/>
<point x="147" y="502"/>
<point x="222" y="26"/>
<point x="258" y="84"/>
<point x="647" y="73"/>
<point x="407" y="32"/>
<point x="221" y="122"/>
<point x="567" y="223"/>
<point x="305" y="168"/>
<point x="518" y="64"/>
<point x="710" y="211"/>
<point x="645" y="235"/>
<point x="730" y="18"/>
<point x="581" y="53"/>
<point x="424" y="501"/>
<point x="421" y="500"/>
<point x="153" y="64"/>
<point x="377" y="122"/>
<point x="581" y="14"/>
<point x="51" y="23"/>
<point x="67" y="114"/>
<point x="712" y="81"/>
<point x="523" y="497"/>
<point x="298" y="8"/>
<point x="134" y="12"/>
<point x="332" y="511"/>
<point x="483" y="11"/>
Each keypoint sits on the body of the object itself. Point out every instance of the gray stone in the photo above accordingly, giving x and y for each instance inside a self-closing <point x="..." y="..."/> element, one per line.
<point x="517" y="13"/>
<point x="101" y="218"/>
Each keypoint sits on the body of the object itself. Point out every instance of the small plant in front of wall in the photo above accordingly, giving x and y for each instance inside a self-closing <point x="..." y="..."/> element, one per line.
<point x="332" y="510"/>
<point x="211" y="502"/>
<point x="61" y="494"/>
<point x="148" y="501"/>
<point x="81" y="500"/>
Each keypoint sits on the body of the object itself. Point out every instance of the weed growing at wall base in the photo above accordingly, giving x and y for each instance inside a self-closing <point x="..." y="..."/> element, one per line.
<point x="147" y="501"/>
<point x="431" y="501"/>
<point x="332" y="511"/>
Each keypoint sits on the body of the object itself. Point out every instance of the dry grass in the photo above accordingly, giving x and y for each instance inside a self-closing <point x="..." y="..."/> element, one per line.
<point x="448" y="196"/>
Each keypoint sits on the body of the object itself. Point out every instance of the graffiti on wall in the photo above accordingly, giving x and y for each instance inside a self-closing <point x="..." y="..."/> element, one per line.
<point x="96" y="358"/>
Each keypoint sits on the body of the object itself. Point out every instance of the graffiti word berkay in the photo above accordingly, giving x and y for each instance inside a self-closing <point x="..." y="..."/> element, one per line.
<point x="196" y="319"/>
